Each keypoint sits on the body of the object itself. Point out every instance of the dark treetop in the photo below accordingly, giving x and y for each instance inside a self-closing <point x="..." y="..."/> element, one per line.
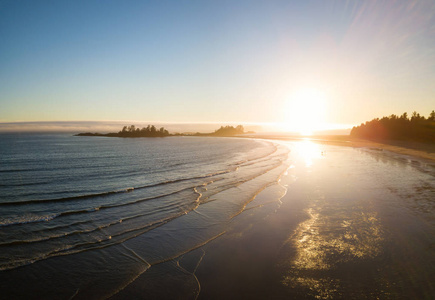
<point x="224" y="131"/>
<point x="152" y="131"/>
<point x="416" y="128"/>
<point x="132" y="131"/>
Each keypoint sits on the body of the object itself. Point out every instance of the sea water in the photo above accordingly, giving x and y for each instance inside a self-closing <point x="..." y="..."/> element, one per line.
<point x="212" y="218"/>
<point x="87" y="215"/>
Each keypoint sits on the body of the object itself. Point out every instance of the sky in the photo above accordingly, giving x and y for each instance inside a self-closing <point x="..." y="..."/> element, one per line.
<point x="269" y="62"/>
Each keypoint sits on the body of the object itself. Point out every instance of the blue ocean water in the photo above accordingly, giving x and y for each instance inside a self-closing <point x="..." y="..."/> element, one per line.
<point x="121" y="204"/>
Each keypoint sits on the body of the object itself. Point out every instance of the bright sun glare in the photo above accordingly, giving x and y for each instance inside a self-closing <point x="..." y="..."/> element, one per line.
<point x="305" y="111"/>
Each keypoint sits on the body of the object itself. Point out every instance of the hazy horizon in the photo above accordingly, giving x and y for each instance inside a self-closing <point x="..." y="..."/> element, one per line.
<point x="173" y="127"/>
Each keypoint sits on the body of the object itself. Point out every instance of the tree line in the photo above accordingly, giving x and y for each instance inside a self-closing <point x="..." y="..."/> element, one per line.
<point x="223" y="131"/>
<point x="229" y="131"/>
<point x="417" y="128"/>
<point x="149" y="131"/>
<point x="152" y="131"/>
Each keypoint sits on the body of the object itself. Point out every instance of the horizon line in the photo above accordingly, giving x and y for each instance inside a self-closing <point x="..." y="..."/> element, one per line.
<point x="174" y="127"/>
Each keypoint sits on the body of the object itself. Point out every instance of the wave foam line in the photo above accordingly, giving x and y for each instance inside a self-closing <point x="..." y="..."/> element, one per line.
<point x="165" y="208"/>
<point x="79" y="248"/>
<point x="103" y="207"/>
<point x="103" y="194"/>
<point x="57" y="228"/>
<point x="265" y="159"/>
<point x="74" y="249"/>
<point x="148" y="265"/>
<point x="277" y="181"/>
<point x="14" y="221"/>
<point x="233" y="184"/>
<point x="60" y="235"/>
<point x="27" y="219"/>
<point x="177" y="255"/>
<point x="126" y="190"/>
<point x="242" y="162"/>
<point x="192" y="273"/>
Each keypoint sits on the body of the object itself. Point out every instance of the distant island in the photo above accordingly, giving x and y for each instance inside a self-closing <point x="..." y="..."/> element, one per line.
<point x="151" y="131"/>
<point x="224" y="131"/>
<point x="416" y="128"/>
<point x="132" y="131"/>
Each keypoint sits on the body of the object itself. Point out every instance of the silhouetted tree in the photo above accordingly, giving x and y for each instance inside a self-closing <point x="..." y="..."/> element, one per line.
<point x="149" y="131"/>
<point x="132" y="131"/>
<point x="229" y="131"/>
<point x="395" y="128"/>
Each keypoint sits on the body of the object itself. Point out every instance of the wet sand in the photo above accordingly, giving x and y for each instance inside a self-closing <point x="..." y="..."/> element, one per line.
<point x="420" y="150"/>
<point x="416" y="149"/>
<point x="336" y="234"/>
<point x="343" y="223"/>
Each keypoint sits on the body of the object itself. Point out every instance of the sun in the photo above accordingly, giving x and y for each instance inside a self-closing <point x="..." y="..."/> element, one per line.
<point x="305" y="111"/>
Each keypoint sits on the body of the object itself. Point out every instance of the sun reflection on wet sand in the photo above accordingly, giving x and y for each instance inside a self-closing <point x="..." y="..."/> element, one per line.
<point x="364" y="230"/>
<point x="307" y="151"/>
<point x="326" y="240"/>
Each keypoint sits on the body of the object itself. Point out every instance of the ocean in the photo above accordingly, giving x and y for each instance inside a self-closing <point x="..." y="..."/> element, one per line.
<point x="83" y="209"/>
<point x="212" y="218"/>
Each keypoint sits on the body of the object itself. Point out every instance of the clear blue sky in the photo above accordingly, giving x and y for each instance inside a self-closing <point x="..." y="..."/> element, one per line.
<point x="212" y="61"/>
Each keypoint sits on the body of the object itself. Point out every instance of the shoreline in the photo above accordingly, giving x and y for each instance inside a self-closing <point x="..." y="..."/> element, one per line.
<point x="396" y="149"/>
<point x="415" y="149"/>
<point x="411" y="148"/>
<point x="332" y="226"/>
<point x="320" y="242"/>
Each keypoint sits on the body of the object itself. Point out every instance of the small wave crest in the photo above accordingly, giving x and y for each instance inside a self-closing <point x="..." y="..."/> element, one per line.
<point x="110" y="193"/>
<point x="24" y="219"/>
<point x="126" y="190"/>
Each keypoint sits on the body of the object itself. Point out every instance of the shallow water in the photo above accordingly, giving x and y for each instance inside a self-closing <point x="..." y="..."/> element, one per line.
<point x="106" y="209"/>
<point x="214" y="218"/>
<point x="353" y="224"/>
<point x="370" y="224"/>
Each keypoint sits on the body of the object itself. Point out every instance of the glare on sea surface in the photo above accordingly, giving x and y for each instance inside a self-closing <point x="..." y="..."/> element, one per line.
<point x="305" y="111"/>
